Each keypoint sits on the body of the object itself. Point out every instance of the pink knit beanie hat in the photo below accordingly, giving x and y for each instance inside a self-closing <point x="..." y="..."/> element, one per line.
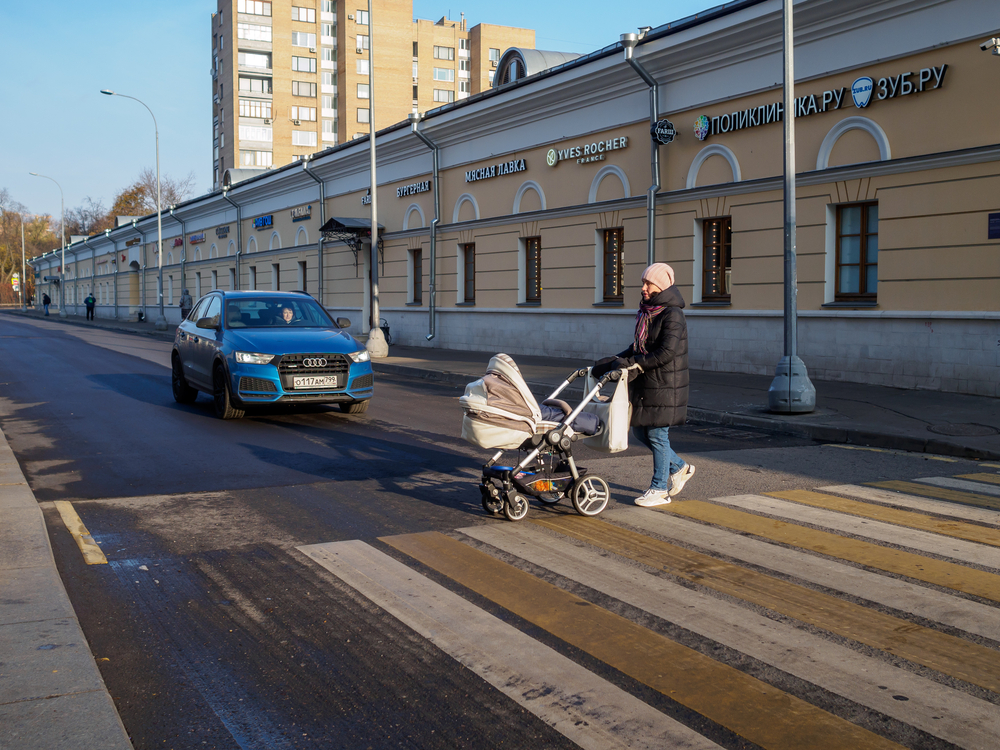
<point x="660" y="274"/>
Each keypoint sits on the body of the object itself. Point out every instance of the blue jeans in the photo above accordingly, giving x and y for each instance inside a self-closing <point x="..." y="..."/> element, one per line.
<point x="46" y="309"/>
<point x="665" y="461"/>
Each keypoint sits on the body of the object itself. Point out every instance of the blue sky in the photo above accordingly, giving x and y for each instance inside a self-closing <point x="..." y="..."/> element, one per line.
<point x="57" y="57"/>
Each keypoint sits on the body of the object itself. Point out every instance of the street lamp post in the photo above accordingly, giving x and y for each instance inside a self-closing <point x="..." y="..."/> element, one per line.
<point x="791" y="391"/>
<point x="161" y="320"/>
<point x="375" y="345"/>
<point x="62" y="232"/>
<point x="24" y="273"/>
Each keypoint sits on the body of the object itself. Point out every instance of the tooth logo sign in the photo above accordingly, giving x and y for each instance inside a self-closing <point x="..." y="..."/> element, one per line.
<point x="861" y="91"/>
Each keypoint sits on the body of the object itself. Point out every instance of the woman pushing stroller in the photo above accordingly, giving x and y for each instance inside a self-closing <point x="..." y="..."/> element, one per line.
<point x="659" y="394"/>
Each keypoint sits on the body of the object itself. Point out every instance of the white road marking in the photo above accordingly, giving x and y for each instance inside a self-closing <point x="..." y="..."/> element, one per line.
<point x="900" y="499"/>
<point x="962" y="484"/>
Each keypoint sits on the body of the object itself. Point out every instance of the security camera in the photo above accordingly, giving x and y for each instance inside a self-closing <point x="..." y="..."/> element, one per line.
<point x="992" y="44"/>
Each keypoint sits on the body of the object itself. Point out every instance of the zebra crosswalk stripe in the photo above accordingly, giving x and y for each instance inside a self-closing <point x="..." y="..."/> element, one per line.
<point x="914" y="502"/>
<point x="960" y="483"/>
<point x="941" y="493"/>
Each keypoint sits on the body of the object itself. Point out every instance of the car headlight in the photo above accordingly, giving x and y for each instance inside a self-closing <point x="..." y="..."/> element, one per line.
<point x="252" y="358"/>
<point x="361" y="356"/>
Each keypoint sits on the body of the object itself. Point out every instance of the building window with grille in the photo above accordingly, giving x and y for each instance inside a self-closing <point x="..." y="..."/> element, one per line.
<point x="857" y="252"/>
<point x="469" y="272"/>
<point x="417" y="286"/>
<point x="717" y="259"/>
<point x="614" y="261"/>
<point x="533" y="270"/>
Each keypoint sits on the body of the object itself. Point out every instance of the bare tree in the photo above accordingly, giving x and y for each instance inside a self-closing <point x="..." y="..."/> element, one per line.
<point x="38" y="238"/>
<point x="90" y="218"/>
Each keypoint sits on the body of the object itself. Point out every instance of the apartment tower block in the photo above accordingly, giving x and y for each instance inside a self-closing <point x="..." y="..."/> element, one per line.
<point x="291" y="77"/>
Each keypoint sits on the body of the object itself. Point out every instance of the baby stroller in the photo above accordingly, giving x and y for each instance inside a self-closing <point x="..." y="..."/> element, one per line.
<point x="501" y="412"/>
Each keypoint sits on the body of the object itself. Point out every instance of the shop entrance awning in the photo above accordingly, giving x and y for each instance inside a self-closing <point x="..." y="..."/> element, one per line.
<point x="350" y="230"/>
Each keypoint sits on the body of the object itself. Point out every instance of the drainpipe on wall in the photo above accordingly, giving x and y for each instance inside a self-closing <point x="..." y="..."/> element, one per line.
<point x="142" y="276"/>
<point x="93" y="266"/>
<point x="183" y="246"/>
<point x="415" y="118"/>
<point x="322" y="221"/>
<point x="239" y="232"/>
<point x="114" y="259"/>
<point x="628" y="43"/>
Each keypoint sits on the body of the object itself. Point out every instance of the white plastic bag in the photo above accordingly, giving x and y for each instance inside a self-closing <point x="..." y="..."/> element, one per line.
<point x="615" y="413"/>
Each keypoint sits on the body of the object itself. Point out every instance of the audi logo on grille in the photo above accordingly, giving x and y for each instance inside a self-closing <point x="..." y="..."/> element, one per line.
<point x="314" y="362"/>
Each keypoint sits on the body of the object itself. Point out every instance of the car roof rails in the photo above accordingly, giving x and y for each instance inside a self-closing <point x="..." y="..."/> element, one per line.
<point x="300" y="291"/>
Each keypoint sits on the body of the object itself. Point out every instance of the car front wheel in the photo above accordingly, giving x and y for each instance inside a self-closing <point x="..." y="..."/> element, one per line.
<point x="224" y="408"/>
<point x="355" y="407"/>
<point x="183" y="393"/>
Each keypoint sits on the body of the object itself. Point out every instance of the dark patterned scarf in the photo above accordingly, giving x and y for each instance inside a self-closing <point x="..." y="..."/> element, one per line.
<point x="643" y="318"/>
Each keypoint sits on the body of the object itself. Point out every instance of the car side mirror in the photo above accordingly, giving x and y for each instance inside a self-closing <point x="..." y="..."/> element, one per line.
<point x="208" y="323"/>
<point x="343" y="322"/>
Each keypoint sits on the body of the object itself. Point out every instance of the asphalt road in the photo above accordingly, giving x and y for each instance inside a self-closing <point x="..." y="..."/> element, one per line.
<point x="214" y="628"/>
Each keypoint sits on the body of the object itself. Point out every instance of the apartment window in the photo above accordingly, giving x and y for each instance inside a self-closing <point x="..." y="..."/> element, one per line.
<point x="253" y="60"/>
<point x="414" y="93"/>
<point x="329" y="103"/>
<point x="464" y="87"/>
<point x="469" y="266"/>
<point x="443" y="95"/>
<point x="255" y="133"/>
<point x="492" y="73"/>
<point x="328" y="29"/>
<point x="415" y="49"/>
<point x="362" y="66"/>
<point x="301" y="88"/>
<point x="329" y="56"/>
<point x="362" y="41"/>
<point x="329" y="79"/>
<point x="329" y="130"/>
<point x="255" y="108"/>
<point x="614" y="260"/>
<point x="253" y="32"/>
<point x="249" y="158"/>
<point x="533" y="269"/>
<point x="306" y="15"/>
<point x="463" y="44"/>
<point x="253" y="7"/>
<point x="717" y="258"/>
<point x="418" y="277"/>
<point x="444" y="74"/>
<point x="494" y="55"/>
<point x="361" y="17"/>
<point x="362" y="91"/>
<point x="464" y="65"/>
<point x="444" y="53"/>
<point x="304" y="138"/>
<point x="304" y="113"/>
<point x="363" y="114"/>
<point x="329" y="6"/>
<point x="857" y="251"/>
<point x="254" y="85"/>
<point x="303" y="39"/>
<point x="304" y="64"/>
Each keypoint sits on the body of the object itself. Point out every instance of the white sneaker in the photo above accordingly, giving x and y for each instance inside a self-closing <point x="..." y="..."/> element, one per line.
<point x="678" y="480"/>
<point x="652" y="497"/>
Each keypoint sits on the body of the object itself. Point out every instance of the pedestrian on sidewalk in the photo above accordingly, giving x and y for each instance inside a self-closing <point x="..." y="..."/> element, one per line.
<point x="46" y="301"/>
<point x="186" y="304"/>
<point x="90" y="302"/>
<point x="659" y="394"/>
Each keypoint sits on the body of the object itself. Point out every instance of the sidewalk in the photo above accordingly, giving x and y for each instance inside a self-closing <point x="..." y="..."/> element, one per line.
<point x="879" y="416"/>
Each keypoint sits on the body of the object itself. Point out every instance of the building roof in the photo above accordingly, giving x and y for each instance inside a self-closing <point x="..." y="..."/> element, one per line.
<point x="529" y="62"/>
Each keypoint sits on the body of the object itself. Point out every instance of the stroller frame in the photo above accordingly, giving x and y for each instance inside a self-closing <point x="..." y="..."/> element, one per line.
<point x="507" y="488"/>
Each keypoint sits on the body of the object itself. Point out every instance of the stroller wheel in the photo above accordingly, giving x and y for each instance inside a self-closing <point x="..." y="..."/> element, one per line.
<point x="492" y="504"/>
<point x="515" y="506"/>
<point x="590" y="495"/>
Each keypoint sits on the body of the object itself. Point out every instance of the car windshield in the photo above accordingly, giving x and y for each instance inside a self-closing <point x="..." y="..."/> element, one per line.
<point x="295" y="312"/>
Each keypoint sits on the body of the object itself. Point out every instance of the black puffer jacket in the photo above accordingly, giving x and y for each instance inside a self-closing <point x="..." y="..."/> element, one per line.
<point x="659" y="395"/>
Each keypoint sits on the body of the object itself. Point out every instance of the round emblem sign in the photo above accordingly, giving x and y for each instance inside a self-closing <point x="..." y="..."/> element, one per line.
<point x="552" y="158"/>
<point x="663" y="132"/>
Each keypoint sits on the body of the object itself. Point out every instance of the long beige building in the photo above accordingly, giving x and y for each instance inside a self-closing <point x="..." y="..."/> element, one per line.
<point x="542" y="208"/>
<point x="291" y="77"/>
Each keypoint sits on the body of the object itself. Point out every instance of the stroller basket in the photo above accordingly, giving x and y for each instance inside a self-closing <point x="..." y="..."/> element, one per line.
<point x="500" y="412"/>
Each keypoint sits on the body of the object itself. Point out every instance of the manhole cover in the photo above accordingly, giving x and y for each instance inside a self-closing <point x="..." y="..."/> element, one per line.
<point x="963" y="430"/>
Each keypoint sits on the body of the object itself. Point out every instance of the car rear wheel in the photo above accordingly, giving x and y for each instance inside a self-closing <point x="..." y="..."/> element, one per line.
<point x="223" y="401"/>
<point x="183" y="393"/>
<point x="355" y="407"/>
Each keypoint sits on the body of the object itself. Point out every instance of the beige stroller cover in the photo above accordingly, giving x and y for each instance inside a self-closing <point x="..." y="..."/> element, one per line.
<point x="500" y="411"/>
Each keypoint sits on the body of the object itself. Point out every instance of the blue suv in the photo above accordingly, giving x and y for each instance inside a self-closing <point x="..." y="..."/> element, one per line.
<point x="246" y="348"/>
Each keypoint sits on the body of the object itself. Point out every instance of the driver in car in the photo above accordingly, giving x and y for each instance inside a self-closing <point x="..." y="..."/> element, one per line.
<point x="287" y="315"/>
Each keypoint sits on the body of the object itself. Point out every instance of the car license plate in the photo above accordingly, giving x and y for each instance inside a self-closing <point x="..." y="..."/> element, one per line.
<point x="315" y="381"/>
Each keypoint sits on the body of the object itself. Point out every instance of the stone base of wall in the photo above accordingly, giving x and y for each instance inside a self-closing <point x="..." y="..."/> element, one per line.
<point x="953" y="354"/>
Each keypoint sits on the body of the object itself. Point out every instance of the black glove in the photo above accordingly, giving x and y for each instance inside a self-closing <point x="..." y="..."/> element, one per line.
<point x="603" y="366"/>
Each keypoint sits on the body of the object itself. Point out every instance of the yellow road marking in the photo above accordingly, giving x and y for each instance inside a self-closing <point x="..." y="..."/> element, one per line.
<point x="92" y="554"/>
<point x="991" y="478"/>
<point x="941" y="493"/>
<point x="931" y="648"/>
<point x="939" y="572"/>
<point x="907" y="518"/>
<point x="753" y="709"/>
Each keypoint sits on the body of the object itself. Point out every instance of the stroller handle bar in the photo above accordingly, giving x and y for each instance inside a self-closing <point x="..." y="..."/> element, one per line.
<point x="582" y="372"/>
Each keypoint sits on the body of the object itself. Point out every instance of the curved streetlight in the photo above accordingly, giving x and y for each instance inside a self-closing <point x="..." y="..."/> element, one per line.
<point x="161" y="320"/>
<point x="62" y="231"/>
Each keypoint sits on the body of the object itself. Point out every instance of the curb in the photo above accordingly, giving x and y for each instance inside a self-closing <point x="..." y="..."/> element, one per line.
<point x="52" y="693"/>
<point x="844" y="435"/>
<point x="113" y="327"/>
